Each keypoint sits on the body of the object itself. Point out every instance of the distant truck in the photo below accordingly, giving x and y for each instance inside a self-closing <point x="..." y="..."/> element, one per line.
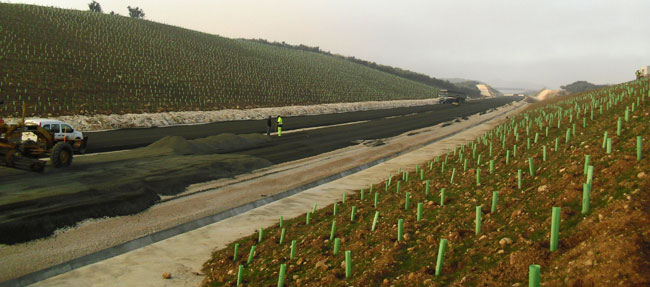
<point x="644" y="72"/>
<point x="451" y="97"/>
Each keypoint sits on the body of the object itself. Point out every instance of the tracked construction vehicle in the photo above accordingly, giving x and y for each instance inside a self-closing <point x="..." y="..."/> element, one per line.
<point x="22" y="145"/>
<point x="451" y="97"/>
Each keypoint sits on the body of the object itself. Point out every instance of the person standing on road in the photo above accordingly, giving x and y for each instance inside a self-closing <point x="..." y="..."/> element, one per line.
<point x="279" y="126"/>
<point x="269" y="125"/>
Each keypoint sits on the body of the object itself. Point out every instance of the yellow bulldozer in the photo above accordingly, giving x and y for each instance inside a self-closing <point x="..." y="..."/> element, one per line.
<point x="23" y="145"/>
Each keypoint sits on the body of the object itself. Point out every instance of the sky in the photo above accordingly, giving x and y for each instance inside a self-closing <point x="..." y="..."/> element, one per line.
<point x="506" y="43"/>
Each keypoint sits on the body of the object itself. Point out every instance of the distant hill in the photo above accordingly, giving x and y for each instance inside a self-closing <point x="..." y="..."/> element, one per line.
<point x="581" y="86"/>
<point x="66" y="62"/>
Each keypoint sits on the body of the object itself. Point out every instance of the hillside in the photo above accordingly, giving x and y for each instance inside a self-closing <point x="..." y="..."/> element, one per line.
<point x="406" y="74"/>
<point x="64" y="62"/>
<point x="581" y="86"/>
<point x="560" y="188"/>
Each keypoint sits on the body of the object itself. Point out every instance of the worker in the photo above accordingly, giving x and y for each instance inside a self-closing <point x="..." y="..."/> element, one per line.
<point x="279" y="126"/>
<point x="269" y="124"/>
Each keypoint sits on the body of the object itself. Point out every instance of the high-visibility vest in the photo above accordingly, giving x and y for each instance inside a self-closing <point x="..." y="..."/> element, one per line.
<point x="279" y="121"/>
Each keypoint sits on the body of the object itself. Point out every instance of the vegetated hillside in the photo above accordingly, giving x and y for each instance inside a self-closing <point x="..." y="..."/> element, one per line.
<point x="422" y="78"/>
<point x="581" y="86"/>
<point x="563" y="186"/>
<point x="69" y="62"/>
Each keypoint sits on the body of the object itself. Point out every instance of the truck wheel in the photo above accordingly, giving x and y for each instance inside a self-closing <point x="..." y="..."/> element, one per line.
<point x="61" y="155"/>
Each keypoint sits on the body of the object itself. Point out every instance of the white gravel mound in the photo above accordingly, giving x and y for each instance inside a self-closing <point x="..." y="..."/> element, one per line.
<point x="147" y="120"/>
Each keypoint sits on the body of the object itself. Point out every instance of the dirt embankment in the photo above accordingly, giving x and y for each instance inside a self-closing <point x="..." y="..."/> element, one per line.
<point x="117" y="183"/>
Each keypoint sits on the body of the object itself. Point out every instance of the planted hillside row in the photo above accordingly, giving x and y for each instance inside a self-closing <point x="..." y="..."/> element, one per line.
<point x="544" y="198"/>
<point x="66" y="62"/>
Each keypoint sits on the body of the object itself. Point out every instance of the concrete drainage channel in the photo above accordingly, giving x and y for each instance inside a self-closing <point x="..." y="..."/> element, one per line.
<point x="189" y="226"/>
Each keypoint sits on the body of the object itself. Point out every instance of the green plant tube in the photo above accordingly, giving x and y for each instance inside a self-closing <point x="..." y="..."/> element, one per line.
<point x="557" y="141"/>
<point x="419" y="211"/>
<point x="376" y="198"/>
<point x="240" y="273"/>
<point x="406" y="177"/>
<point x="293" y="250"/>
<point x="442" y="197"/>
<point x="397" y="186"/>
<point x="568" y="136"/>
<point x="465" y="165"/>
<point x="390" y="178"/>
<point x="601" y="109"/>
<point x="478" y="176"/>
<point x="441" y="255"/>
<point x="345" y="196"/>
<point x="533" y="275"/>
<point x="335" y="207"/>
<point x="307" y="217"/>
<point x="586" y="197"/>
<point x="527" y="143"/>
<point x="519" y="178"/>
<point x="477" y="228"/>
<point x="333" y="230"/>
<point x="491" y="166"/>
<point x="514" y="150"/>
<point x="362" y="194"/>
<point x="619" y="126"/>
<point x="442" y="167"/>
<point x="400" y="229"/>
<point x="531" y="167"/>
<point x="281" y="221"/>
<point x="453" y="173"/>
<point x="282" y="274"/>
<point x="386" y="186"/>
<point x="507" y="156"/>
<point x="555" y="227"/>
<point x="573" y="129"/>
<point x="234" y="256"/>
<point x="638" y="148"/>
<point x="337" y="245"/>
<point x="374" y="221"/>
<point x="250" y="255"/>
<point x="313" y="210"/>
<point x="536" y="136"/>
<point x="544" y="153"/>
<point x="427" y="187"/>
<point x="282" y="234"/>
<point x="417" y="168"/>
<point x="422" y="174"/>
<point x="478" y="161"/>
<point x="354" y="209"/>
<point x="627" y="114"/>
<point x="587" y="159"/>
<point x="546" y="132"/>
<point x="584" y="123"/>
<point x="590" y="174"/>
<point x="604" y="140"/>
<point x="609" y="145"/>
<point x="490" y="149"/>
<point x="260" y="235"/>
<point x="495" y="198"/>
<point x="348" y="264"/>
<point x="406" y="203"/>
<point x="371" y="188"/>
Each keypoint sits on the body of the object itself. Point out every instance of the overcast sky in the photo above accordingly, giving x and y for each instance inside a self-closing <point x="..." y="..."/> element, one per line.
<point x="518" y="43"/>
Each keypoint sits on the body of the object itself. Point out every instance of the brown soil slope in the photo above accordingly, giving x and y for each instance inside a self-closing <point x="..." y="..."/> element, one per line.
<point x="539" y="163"/>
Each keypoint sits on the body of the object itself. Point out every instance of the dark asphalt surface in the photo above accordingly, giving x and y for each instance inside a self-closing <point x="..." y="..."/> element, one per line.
<point x="293" y="146"/>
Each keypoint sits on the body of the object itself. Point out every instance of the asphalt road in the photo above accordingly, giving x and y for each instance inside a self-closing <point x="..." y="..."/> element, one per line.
<point x="382" y="123"/>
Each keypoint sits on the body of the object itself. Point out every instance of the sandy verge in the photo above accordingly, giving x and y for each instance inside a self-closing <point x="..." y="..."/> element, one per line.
<point x="147" y="120"/>
<point x="217" y="196"/>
